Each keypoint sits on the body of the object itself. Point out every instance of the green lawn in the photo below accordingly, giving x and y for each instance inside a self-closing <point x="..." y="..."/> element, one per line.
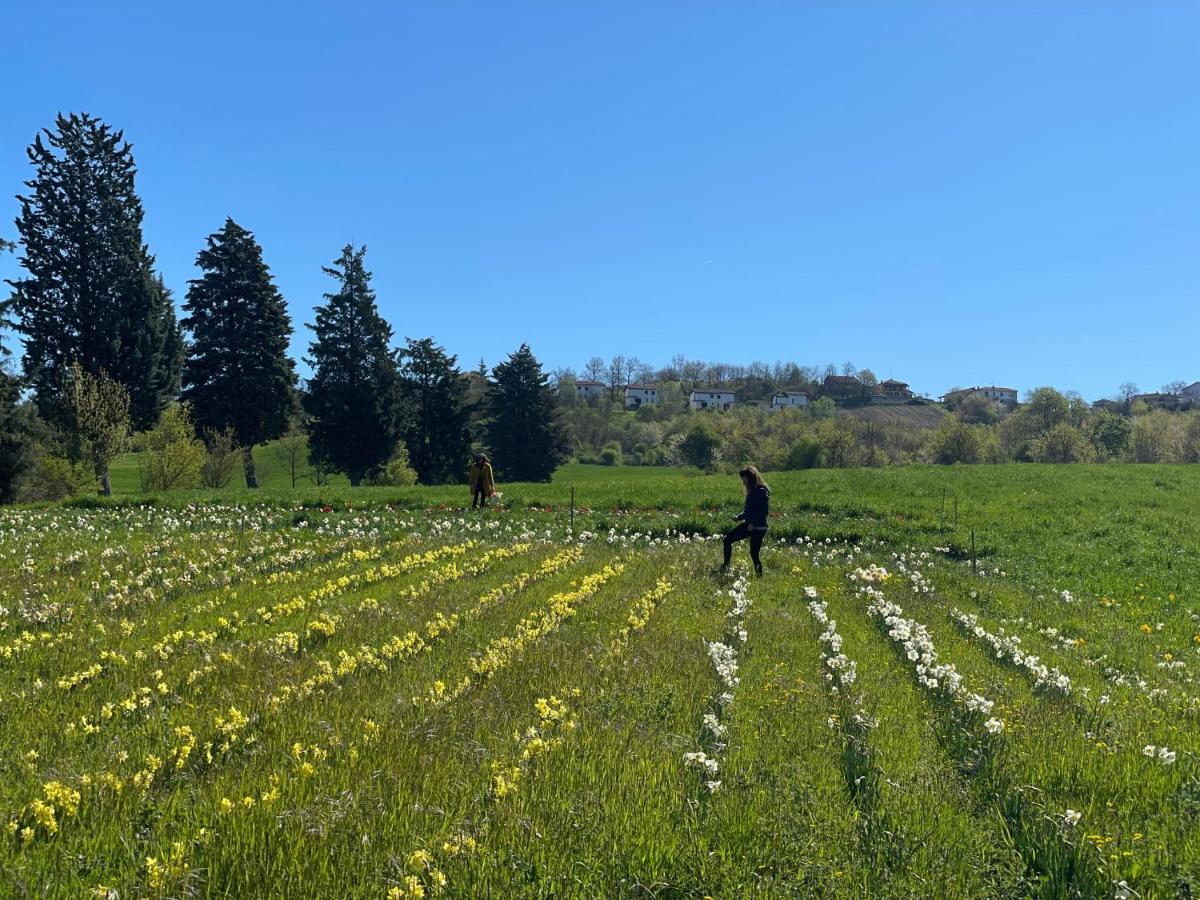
<point x="1079" y="526"/>
<point x="327" y="691"/>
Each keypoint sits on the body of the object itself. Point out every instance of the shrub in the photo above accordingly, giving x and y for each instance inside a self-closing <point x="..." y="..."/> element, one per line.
<point x="1062" y="443"/>
<point x="1110" y="435"/>
<point x="220" y="458"/>
<point x="805" y="453"/>
<point x="700" y="447"/>
<point x="52" y="478"/>
<point x="611" y="454"/>
<point x="1191" y="439"/>
<point x="1154" y="438"/>
<point x="955" y="442"/>
<point x="396" y="473"/>
<point x="173" y="456"/>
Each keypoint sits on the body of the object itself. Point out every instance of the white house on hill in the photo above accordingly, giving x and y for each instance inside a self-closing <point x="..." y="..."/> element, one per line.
<point x="991" y="392"/>
<point x="712" y="399"/>
<point x="1192" y="391"/>
<point x="639" y="395"/>
<point x="790" y="399"/>
<point x="586" y="390"/>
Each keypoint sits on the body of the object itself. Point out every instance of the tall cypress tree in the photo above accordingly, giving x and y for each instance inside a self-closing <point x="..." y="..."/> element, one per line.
<point x="90" y="296"/>
<point x="354" y="395"/>
<point x="437" y="436"/>
<point x="238" y="374"/>
<point x="524" y="430"/>
<point x="18" y="443"/>
<point x="170" y="374"/>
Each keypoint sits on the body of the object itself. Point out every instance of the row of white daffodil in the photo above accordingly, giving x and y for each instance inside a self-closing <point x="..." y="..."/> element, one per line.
<point x="839" y="670"/>
<point x="917" y="646"/>
<point x="724" y="656"/>
<point x="1008" y="647"/>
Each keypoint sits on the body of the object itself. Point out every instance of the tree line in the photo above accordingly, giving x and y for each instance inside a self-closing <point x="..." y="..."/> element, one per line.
<point x="104" y="354"/>
<point x="754" y="382"/>
<point x="1050" y="426"/>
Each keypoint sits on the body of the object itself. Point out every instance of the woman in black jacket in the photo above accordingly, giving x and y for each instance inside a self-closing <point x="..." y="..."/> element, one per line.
<point x="753" y="518"/>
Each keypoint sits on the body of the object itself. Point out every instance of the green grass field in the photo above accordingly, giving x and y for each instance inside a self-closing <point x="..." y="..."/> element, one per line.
<point x="376" y="693"/>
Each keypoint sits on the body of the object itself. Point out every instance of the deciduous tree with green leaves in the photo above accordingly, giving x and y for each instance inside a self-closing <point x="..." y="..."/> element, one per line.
<point x="173" y="455"/>
<point x="524" y="430"/>
<point x="98" y="419"/>
<point x="238" y="373"/>
<point x="91" y="296"/>
<point x="353" y="398"/>
<point x="437" y="433"/>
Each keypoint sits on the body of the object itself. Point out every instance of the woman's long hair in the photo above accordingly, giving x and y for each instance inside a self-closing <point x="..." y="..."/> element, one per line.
<point x="751" y="478"/>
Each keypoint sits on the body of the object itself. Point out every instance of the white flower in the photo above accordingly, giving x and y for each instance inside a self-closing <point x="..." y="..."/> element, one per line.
<point x="994" y="726"/>
<point x="1071" y="817"/>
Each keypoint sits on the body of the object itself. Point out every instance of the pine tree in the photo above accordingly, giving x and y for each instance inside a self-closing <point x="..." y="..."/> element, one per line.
<point x="170" y="372"/>
<point x="354" y="395"/>
<point x="524" y="430"/>
<point x="437" y="435"/>
<point x="18" y="437"/>
<point x="90" y="295"/>
<point x="238" y="374"/>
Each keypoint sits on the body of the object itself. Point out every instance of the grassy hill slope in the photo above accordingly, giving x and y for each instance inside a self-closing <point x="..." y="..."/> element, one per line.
<point x="925" y="416"/>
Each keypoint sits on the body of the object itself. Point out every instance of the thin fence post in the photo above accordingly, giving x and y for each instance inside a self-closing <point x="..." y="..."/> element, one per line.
<point x="572" y="509"/>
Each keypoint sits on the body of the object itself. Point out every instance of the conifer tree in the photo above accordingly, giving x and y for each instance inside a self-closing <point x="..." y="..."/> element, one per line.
<point x="238" y="374"/>
<point x="353" y="397"/>
<point x="169" y="375"/>
<point x="18" y="443"/>
<point x="90" y="295"/>
<point x="524" y="430"/>
<point x="437" y="435"/>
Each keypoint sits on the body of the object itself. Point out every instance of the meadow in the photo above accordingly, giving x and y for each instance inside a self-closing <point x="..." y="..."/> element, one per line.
<point x="378" y="693"/>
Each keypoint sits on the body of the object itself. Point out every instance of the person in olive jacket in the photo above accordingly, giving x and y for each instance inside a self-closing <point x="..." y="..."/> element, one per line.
<point x="481" y="480"/>
<point x="753" y="518"/>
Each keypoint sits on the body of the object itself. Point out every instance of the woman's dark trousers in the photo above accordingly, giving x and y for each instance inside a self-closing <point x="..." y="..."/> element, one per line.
<point x="741" y="532"/>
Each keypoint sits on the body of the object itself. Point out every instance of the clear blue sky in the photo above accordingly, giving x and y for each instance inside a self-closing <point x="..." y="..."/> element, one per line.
<point x="948" y="193"/>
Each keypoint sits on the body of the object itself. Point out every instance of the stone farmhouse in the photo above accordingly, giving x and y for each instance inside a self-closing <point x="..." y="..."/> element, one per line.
<point x="1160" y="400"/>
<point x="891" y="391"/>
<point x="991" y="392"/>
<point x="790" y="400"/>
<point x="587" y="390"/>
<point x="844" y="387"/>
<point x="712" y="398"/>
<point x="640" y="395"/>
